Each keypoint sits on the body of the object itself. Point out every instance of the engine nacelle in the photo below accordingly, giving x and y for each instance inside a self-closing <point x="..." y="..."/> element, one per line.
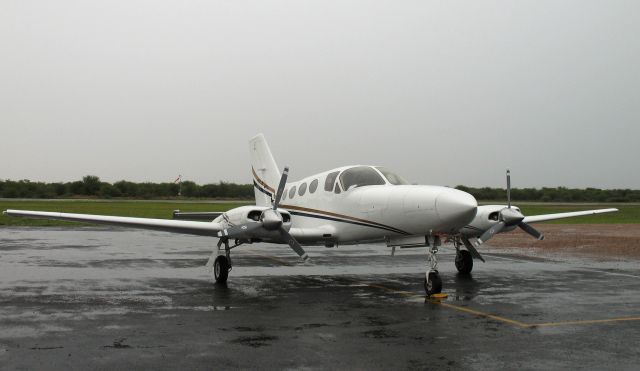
<point x="247" y="214"/>
<point x="486" y="217"/>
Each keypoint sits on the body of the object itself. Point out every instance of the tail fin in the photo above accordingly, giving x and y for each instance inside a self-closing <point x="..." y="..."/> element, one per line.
<point x="266" y="175"/>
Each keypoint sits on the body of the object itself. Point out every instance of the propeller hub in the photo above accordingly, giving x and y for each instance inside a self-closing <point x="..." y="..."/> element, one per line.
<point x="511" y="216"/>
<point x="271" y="219"/>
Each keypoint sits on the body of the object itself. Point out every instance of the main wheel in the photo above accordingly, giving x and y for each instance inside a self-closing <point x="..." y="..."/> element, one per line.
<point x="433" y="285"/>
<point x="464" y="261"/>
<point x="221" y="269"/>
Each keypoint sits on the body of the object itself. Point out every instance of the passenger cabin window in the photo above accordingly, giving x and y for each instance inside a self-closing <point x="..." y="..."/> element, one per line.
<point x="313" y="186"/>
<point x="302" y="189"/>
<point x="331" y="178"/>
<point x="337" y="189"/>
<point x="360" y="176"/>
<point x="292" y="192"/>
<point x="392" y="177"/>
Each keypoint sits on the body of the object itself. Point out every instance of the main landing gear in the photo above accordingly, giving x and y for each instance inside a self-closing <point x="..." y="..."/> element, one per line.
<point x="222" y="263"/>
<point x="221" y="268"/>
<point x="464" y="259"/>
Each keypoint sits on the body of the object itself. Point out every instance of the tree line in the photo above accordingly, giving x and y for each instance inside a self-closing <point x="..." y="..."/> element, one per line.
<point x="92" y="187"/>
<point x="558" y="194"/>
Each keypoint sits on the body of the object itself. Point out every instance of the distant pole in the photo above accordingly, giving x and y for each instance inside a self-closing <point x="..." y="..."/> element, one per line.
<point x="179" y="182"/>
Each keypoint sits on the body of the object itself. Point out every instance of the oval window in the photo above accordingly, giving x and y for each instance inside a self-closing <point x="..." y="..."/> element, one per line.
<point x="302" y="189"/>
<point x="328" y="182"/>
<point x="313" y="186"/>
<point x="292" y="192"/>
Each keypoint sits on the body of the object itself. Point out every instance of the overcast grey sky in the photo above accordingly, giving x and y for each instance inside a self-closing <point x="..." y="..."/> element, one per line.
<point x="444" y="92"/>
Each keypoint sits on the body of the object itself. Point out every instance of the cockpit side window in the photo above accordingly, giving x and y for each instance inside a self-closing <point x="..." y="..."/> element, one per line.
<point x="392" y="177"/>
<point x="360" y="176"/>
<point x="331" y="178"/>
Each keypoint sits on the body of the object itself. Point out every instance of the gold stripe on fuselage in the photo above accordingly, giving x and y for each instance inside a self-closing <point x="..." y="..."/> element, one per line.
<point x="261" y="182"/>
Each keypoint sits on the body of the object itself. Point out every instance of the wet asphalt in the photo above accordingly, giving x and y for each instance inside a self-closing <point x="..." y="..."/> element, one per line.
<point x="90" y="298"/>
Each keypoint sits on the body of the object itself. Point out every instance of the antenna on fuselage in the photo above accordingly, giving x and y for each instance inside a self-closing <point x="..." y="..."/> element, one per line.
<point x="509" y="188"/>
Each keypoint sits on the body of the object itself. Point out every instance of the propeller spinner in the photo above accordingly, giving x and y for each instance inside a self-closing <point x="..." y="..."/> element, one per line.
<point x="270" y="220"/>
<point x="508" y="217"/>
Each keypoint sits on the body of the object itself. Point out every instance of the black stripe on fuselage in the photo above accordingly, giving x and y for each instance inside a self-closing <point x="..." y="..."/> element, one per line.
<point x="255" y="184"/>
<point x="298" y="213"/>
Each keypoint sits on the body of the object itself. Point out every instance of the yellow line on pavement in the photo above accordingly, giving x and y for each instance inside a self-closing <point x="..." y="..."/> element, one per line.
<point x="585" y="322"/>
<point x="452" y="306"/>
<point x="482" y="314"/>
<point x="500" y="318"/>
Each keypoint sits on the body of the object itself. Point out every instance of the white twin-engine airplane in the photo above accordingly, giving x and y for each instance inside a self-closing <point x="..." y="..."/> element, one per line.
<point x="347" y="205"/>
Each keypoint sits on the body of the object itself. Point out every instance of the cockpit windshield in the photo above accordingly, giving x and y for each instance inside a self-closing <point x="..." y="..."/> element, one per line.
<point x="392" y="177"/>
<point x="360" y="176"/>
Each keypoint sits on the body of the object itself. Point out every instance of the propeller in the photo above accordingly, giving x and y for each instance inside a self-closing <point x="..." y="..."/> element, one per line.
<point x="270" y="220"/>
<point x="508" y="217"/>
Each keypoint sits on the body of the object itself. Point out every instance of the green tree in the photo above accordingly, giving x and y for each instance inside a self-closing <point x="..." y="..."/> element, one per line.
<point x="91" y="185"/>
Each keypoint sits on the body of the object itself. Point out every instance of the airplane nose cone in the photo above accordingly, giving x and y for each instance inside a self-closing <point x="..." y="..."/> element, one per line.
<point x="456" y="208"/>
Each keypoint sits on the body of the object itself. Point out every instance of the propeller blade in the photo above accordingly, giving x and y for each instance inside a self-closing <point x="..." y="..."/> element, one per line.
<point x="486" y="236"/>
<point x="241" y="230"/>
<point x="532" y="231"/>
<point x="283" y="182"/>
<point x="294" y="244"/>
<point x="472" y="249"/>
<point x="509" y="188"/>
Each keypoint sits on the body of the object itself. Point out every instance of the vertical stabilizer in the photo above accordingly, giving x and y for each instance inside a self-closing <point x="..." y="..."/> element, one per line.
<point x="266" y="175"/>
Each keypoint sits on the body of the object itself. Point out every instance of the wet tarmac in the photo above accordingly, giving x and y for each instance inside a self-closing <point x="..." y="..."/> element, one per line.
<point x="91" y="298"/>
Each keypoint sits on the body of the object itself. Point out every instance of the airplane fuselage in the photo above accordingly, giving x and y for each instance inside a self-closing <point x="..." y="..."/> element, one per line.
<point x="323" y="211"/>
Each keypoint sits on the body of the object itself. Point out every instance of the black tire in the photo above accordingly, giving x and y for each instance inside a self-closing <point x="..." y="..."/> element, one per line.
<point x="433" y="285"/>
<point x="221" y="269"/>
<point x="464" y="262"/>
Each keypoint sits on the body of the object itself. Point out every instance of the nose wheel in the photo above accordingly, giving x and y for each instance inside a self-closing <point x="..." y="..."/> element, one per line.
<point x="433" y="283"/>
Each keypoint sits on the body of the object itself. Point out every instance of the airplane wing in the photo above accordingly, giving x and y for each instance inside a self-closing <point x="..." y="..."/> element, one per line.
<point x="546" y="217"/>
<point x="175" y="226"/>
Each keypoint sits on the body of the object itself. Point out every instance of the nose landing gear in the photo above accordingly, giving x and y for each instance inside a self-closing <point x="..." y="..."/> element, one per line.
<point x="432" y="280"/>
